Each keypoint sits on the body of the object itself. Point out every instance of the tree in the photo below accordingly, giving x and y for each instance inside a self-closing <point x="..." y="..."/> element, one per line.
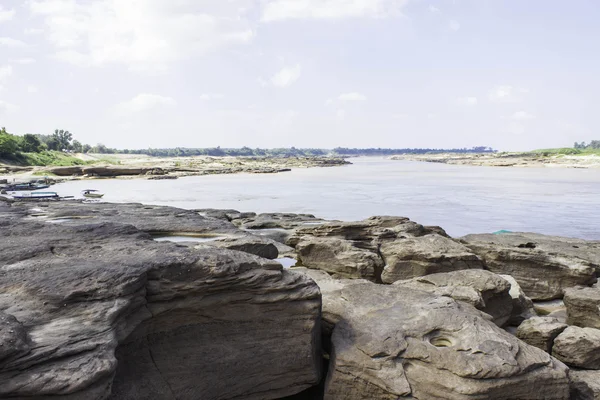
<point x="63" y="139"/>
<point x="77" y="146"/>
<point x="86" y="148"/>
<point x="9" y="144"/>
<point x="31" y="143"/>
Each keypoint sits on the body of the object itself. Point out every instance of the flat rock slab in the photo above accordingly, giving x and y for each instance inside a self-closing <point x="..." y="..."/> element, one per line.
<point x="583" y="306"/>
<point x="541" y="332"/>
<point x="585" y="385"/>
<point x="392" y="342"/>
<point x="482" y="289"/>
<point x="544" y="266"/>
<point x="578" y="347"/>
<point x="97" y="310"/>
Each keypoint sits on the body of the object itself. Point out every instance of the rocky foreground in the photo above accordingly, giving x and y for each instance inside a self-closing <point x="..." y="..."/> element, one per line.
<point x="95" y="305"/>
<point x="507" y="159"/>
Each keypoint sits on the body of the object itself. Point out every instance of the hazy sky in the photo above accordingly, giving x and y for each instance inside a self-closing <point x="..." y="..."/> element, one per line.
<point x="512" y="74"/>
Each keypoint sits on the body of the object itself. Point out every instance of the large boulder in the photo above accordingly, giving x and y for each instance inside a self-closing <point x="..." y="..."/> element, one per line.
<point x="583" y="306"/>
<point x="392" y="342"/>
<point x="585" y="385"/>
<point x="100" y="310"/>
<point x="578" y="347"/>
<point x="482" y="289"/>
<point x="522" y="305"/>
<point x="544" y="266"/>
<point x="540" y="332"/>
<point x="418" y="256"/>
<point x="339" y="257"/>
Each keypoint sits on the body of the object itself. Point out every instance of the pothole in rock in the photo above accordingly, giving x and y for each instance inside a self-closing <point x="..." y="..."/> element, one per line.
<point x="186" y="238"/>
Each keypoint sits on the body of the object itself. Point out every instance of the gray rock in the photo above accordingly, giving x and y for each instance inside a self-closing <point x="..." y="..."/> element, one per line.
<point x="339" y="257"/>
<point x="522" y="305"/>
<point x="276" y="220"/>
<point x="392" y="342"/>
<point x="544" y="266"/>
<point x="90" y="309"/>
<point x="424" y="255"/>
<point x="540" y="332"/>
<point x="578" y="347"/>
<point x="484" y="290"/>
<point x="585" y="385"/>
<point x="583" y="306"/>
<point x="252" y="244"/>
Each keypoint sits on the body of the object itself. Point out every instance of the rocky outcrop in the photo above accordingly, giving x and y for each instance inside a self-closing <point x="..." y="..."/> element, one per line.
<point x="484" y="290"/>
<point x="424" y="255"/>
<point x="540" y="332"/>
<point x="94" y="310"/>
<point x="578" y="347"/>
<point x="339" y="257"/>
<point x="522" y="305"/>
<point x="585" y="385"/>
<point x="391" y="342"/>
<point x="276" y="220"/>
<point x="583" y="306"/>
<point x="544" y="266"/>
<point x="256" y="245"/>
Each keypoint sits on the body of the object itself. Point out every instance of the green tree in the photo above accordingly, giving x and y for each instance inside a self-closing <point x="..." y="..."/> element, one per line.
<point x="77" y="146"/>
<point x="63" y="139"/>
<point x="86" y="148"/>
<point x="9" y="144"/>
<point x="31" y="143"/>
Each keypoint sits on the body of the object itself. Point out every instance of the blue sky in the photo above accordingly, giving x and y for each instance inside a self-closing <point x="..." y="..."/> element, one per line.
<point x="510" y="74"/>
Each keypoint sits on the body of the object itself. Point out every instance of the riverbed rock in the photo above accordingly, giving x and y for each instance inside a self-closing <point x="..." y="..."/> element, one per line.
<point x="482" y="289"/>
<point x="392" y="342"/>
<point x="544" y="266"/>
<point x="339" y="257"/>
<point x="583" y="306"/>
<point x="423" y="255"/>
<point x="522" y="305"/>
<point x="541" y="332"/>
<point x="100" y="310"/>
<point x="252" y="244"/>
<point x="578" y="347"/>
<point x="276" y="220"/>
<point x="585" y="385"/>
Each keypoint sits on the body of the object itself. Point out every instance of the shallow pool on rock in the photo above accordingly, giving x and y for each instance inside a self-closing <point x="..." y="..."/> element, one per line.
<point x="287" y="262"/>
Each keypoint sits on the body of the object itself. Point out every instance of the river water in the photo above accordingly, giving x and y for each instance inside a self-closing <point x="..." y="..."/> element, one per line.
<point x="461" y="199"/>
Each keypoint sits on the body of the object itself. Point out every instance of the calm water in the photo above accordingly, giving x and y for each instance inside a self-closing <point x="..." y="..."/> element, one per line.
<point x="461" y="199"/>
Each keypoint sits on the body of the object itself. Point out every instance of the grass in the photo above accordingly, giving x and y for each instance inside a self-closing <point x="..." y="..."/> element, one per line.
<point x="564" y="151"/>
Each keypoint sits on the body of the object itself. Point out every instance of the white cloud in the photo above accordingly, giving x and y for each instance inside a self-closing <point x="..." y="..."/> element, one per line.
<point x="211" y="96"/>
<point x="23" y="61"/>
<point x="6" y="15"/>
<point x="7" y="108"/>
<point x="287" y="76"/>
<point x="434" y="9"/>
<point x="144" y="35"/>
<point x="33" y="31"/>
<point x="454" y="25"/>
<point x="5" y="72"/>
<point x="353" y="96"/>
<point x="10" y="42"/>
<point x="467" y="101"/>
<point x="144" y="102"/>
<point x="32" y="89"/>
<point x="522" y="116"/>
<point x="506" y="94"/>
<point x="278" y="10"/>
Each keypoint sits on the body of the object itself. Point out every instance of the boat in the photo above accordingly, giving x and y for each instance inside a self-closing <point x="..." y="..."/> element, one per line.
<point x="92" y="194"/>
<point x="19" y="187"/>
<point x="35" y="195"/>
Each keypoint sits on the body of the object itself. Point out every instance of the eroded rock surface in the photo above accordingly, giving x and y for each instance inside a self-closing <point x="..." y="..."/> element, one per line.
<point x="578" y="347"/>
<point x="484" y="290"/>
<point x="585" y="385"/>
<point x="522" y="305"/>
<point x="583" y="306"/>
<point x="541" y="332"/>
<point x="392" y="342"/>
<point x="90" y="308"/>
<point x="544" y="266"/>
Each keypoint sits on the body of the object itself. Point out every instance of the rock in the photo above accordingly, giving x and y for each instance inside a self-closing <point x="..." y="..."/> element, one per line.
<point x="540" y="332"/>
<point x="66" y="171"/>
<point x="424" y="255"/>
<point x="585" y="385"/>
<point x="484" y="290"/>
<point x="544" y="266"/>
<point x="256" y="245"/>
<point x="522" y="305"/>
<point x="578" y="347"/>
<point x="583" y="306"/>
<point x="90" y="309"/>
<point x="276" y="220"/>
<point x="392" y="342"/>
<point x="545" y="308"/>
<point x="227" y="215"/>
<point x="339" y="257"/>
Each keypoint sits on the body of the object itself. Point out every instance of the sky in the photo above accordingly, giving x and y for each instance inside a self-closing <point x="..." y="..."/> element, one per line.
<point x="511" y="74"/>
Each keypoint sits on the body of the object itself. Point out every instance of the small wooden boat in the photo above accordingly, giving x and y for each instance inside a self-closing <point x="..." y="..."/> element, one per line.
<point x="26" y="187"/>
<point x="35" y="195"/>
<point x="92" y="194"/>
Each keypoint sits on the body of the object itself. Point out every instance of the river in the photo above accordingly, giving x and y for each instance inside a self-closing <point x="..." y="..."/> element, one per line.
<point x="461" y="199"/>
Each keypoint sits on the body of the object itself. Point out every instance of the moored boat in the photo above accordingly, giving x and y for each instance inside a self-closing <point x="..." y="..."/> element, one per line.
<point x="92" y="194"/>
<point x="35" y="195"/>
